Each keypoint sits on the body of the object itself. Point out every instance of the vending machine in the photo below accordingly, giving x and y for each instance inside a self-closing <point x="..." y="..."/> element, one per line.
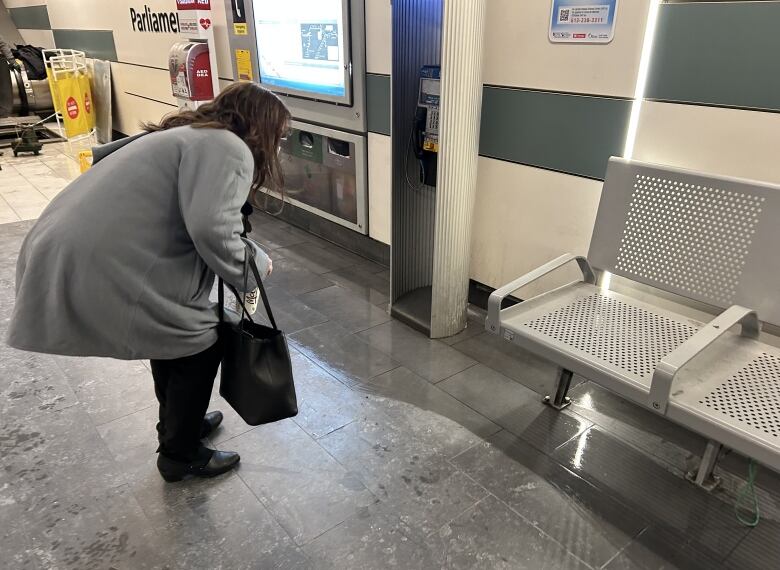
<point x="312" y="54"/>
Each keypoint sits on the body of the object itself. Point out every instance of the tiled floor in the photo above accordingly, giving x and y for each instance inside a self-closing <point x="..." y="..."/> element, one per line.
<point x="407" y="453"/>
<point x="28" y="183"/>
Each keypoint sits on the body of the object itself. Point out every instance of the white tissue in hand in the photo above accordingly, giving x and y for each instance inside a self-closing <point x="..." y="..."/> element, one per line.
<point x="250" y="302"/>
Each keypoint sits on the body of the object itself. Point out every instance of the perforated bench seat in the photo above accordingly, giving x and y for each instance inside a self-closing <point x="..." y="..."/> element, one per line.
<point x="729" y="393"/>
<point x="713" y="240"/>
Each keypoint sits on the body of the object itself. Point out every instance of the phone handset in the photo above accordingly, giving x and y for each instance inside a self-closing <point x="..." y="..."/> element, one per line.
<point x="426" y="124"/>
<point x="420" y="120"/>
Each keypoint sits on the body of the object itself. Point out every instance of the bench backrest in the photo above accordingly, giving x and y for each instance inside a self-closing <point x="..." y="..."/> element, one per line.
<point x="709" y="238"/>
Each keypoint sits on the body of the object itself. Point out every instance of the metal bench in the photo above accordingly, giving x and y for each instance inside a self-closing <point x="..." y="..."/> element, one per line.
<point x="713" y="240"/>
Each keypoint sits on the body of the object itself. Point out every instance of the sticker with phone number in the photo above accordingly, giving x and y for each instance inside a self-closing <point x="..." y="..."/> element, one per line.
<point x="583" y="21"/>
<point x="583" y="15"/>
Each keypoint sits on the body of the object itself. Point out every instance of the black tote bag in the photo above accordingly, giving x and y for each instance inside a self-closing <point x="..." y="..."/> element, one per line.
<point x="257" y="377"/>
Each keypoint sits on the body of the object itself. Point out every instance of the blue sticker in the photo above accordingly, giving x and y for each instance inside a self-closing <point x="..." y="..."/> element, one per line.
<point x="583" y="21"/>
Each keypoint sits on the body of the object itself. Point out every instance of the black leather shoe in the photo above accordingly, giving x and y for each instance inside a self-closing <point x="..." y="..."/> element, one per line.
<point x="220" y="462"/>
<point x="210" y="423"/>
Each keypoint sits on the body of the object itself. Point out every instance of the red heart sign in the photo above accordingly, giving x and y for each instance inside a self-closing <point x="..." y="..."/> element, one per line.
<point x="205" y="23"/>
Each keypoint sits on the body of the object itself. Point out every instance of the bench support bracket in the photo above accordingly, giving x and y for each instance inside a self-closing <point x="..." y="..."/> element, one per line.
<point x="561" y="399"/>
<point x="703" y="476"/>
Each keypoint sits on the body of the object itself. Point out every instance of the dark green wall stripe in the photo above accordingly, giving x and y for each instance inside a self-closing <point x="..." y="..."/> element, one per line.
<point x="566" y="133"/>
<point x="98" y="44"/>
<point x="378" y="103"/>
<point x="31" y="18"/>
<point x="557" y="131"/>
<point x="724" y="54"/>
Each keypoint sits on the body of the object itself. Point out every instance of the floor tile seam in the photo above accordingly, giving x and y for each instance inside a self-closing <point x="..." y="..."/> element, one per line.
<point x="460" y="514"/>
<point x="386" y="353"/>
<point x="592" y="480"/>
<point x="338" y="429"/>
<point x="657" y="459"/>
<point x="334" y="458"/>
<point x="328" y="269"/>
<point x="31" y="186"/>
<point x="47" y="165"/>
<point x="596" y="485"/>
<point x="571" y="439"/>
<point x="622" y="500"/>
<point x="690" y="544"/>
<point x="472" y="446"/>
<point x="67" y="376"/>
<point x="325" y="276"/>
<point x="315" y="290"/>
<point x="520" y="516"/>
<point x="635" y="539"/>
<point x="349" y="266"/>
<point x="343" y="382"/>
<point x="326" y="243"/>
<point x="369" y="305"/>
<point x="494" y="421"/>
<point x="455" y="345"/>
<point x="69" y="159"/>
<point x="267" y="510"/>
<point x="726" y="559"/>
<point x="485" y="364"/>
<point x="13" y="168"/>
<point x="8" y="205"/>
<point x="339" y="250"/>
<point x="12" y="209"/>
<point x="469" y="367"/>
<point x="538" y="528"/>
<point x="41" y="412"/>
<point x="133" y="493"/>
<point x="33" y="175"/>
<point x="221" y="444"/>
<point x="147" y="513"/>
<point x="314" y="539"/>
<point x="393" y="369"/>
<point x="477" y="412"/>
<point x="317" y="438"/>
<point x="103" y="424"/>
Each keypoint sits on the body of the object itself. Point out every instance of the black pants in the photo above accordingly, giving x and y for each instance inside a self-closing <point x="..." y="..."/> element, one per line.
<point x="183" y="387"/>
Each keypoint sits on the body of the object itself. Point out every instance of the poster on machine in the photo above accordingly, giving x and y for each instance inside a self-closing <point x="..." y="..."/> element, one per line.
<point x="583" y="21"/>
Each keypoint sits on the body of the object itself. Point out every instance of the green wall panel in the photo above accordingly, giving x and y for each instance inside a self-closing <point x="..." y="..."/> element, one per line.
<point x="31" y="18"/>
<point x="718" y="54"/>
<point x="567" y="133"/>
<point x="98" y="44"/>
<point x="378" y="96"/>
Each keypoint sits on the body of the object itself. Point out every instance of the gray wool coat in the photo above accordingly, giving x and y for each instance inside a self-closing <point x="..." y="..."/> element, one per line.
<point x="121" y="264"/>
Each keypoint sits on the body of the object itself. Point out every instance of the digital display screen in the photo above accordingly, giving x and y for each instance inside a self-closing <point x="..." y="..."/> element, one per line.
<point x="302" y="47"/>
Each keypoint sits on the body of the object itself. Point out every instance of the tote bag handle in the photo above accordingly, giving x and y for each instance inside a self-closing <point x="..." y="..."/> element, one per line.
<point x="249" y="263"/>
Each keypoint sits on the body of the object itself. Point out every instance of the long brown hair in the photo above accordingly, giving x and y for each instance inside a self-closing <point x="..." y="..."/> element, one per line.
<point x="253" y="113"/>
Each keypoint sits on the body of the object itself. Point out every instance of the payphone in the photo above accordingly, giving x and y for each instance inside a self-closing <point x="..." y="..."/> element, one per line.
<point x="426" y="124"/>
<point x="190" y="70"/>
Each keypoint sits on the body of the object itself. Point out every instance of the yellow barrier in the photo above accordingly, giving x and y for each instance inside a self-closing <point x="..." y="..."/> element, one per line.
<point x="85" y="160"/>
<point x="72" y="97"/>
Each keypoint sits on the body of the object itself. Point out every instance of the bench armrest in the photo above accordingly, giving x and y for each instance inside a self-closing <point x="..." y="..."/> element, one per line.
<point x="667" y="369"/>
<point x="496" y="298"/>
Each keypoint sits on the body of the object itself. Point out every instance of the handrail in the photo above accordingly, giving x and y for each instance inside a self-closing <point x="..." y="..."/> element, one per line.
<point x="493" y="323"/>
<point x="667" y="369"/>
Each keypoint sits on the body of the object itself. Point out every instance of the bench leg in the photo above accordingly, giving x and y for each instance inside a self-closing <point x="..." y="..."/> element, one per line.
<point x="561" y="400"/>
<point x="704" y="477"/>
